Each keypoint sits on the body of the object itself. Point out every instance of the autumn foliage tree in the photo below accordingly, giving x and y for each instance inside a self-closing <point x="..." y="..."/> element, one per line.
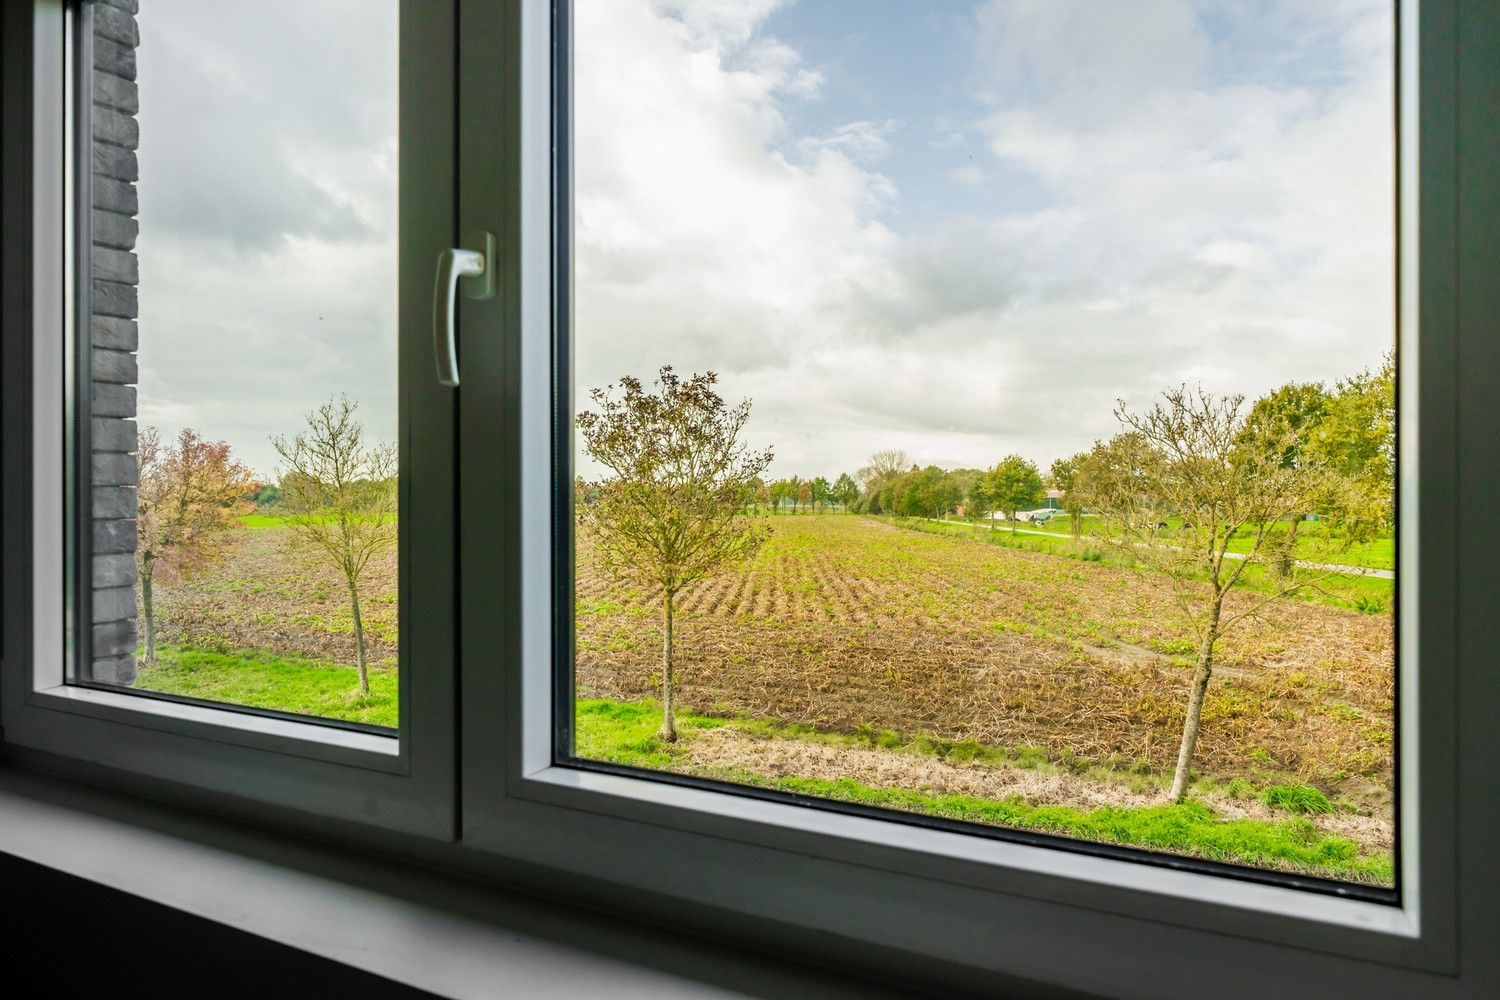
<point x="189" y="497"/>
<point x="671" y="510"/>
<point x="339" y="495"/>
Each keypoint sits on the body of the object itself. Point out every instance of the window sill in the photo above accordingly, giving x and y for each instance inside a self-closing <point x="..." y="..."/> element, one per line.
<point x="450" y="937"/>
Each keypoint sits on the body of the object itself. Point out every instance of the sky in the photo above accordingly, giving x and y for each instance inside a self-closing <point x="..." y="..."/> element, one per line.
<point x="961" y="229"/>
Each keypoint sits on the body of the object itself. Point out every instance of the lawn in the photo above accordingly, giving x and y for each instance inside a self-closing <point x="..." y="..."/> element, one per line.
<point x="1316" y="541"/>
<point x="1344" y="590"/>
<point x="260" y="679"/>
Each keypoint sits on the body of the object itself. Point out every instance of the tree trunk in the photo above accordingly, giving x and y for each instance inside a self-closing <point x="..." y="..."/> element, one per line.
<point x="1077" y="519"/>
<point x="149" y="615"/>
<point x="1285" y="563"/>
<point x="359" y="640"/>
<point x="668" y="701"/>
<point x="1191" y="724"/>
<point x="1013" y="522"/>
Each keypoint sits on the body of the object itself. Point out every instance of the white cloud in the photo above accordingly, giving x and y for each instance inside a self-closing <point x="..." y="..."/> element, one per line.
<point x="1196" y="224"/>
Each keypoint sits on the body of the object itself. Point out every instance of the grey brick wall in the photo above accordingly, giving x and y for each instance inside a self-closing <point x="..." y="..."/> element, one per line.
<point x="113" y="338"/>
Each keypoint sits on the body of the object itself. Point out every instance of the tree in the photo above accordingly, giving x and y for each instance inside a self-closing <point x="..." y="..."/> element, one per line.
<point x="1013" y="486"/>
<point x="1357" y="437"/>
<point x="845" y="491"/>
<point x="1064" y="475"/>
<point x="821" y="492"/>
<point x="339" y="495"/>
<point x="189" y="497"/>
<point x="882" y="467"/>
<point x="1299" y="407"/>
<point x="1187" y="461"/>
<point x="670" y="513"/>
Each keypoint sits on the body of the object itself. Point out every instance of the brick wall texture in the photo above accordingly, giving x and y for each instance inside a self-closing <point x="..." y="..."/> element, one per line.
<point x="113" y="338"/>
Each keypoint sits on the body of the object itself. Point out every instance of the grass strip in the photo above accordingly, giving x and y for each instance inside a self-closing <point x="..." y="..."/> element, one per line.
<point x="624" y="733"/>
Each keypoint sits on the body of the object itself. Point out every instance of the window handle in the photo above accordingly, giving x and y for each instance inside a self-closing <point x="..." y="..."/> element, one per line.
<point x="477" y="266"/>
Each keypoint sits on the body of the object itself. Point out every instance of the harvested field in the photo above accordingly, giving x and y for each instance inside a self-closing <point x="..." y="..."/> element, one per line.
<point x="271" y="594"/>
<point x="843" y="622"/>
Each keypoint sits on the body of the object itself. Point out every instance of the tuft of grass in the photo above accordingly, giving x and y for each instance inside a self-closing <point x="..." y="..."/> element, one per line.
<point x="1297" y="799"/>
<point x="261" y="679"/>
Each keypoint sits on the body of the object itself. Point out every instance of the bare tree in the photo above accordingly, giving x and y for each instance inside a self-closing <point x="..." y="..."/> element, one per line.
<point x="882" y="468"/>
<point x="1176" y="490"/>
<point x="339" y="495"/>
<point x="189" y="497"/>
<point x="673" y="510"/>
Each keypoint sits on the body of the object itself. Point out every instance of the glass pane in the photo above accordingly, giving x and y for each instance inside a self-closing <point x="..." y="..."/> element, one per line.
<point x="243" y="354"/>
<point x="985" y="410"/>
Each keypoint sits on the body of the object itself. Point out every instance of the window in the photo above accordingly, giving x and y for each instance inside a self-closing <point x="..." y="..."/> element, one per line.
<point x="231" y="397"/>
<point x="243" y="520"/>
<point x="1065" y="503"/>
<point x="509" y="205"/>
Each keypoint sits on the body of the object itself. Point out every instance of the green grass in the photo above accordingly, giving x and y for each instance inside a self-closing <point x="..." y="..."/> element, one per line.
<point x="1368" y="594"/>
<point x="267" y="520"/>
<point x="1316" y="541"/>
<point x="258" y="679"/>
<point x="625" y="733"/>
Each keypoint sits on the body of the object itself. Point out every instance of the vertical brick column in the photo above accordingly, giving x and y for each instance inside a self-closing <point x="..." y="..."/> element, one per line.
<point x="113" y="338"/>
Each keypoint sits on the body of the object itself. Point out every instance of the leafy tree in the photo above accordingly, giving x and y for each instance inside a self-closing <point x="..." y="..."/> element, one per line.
<point x="1064" y="476"/>
<point x="821" y="492"/>
<point x="845" y="491"/>
<point x="671" y="512"/>
<point x="1284" y="426"/>
<point x="1357" y="436"/>
<point x="340" y="498"/>
<point x="190" y="495"/>
<point x="269" y="495"/>
<point x="1188" y="461"/>
<point x="878" y="476"/>
<point x="804" y="493"/>
<point x="1014" y="485"/>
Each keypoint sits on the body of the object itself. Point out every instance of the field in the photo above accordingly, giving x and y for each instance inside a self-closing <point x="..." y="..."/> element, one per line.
<point x="848" y="622"/>
<point x="863" y="659"/>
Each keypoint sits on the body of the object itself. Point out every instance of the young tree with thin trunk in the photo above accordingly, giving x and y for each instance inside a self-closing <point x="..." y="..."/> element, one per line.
<point x="671" y="511"/>
<point x="339" y="494"/>
<point x="189" y="497"/>
<point x="1177" y="488"/>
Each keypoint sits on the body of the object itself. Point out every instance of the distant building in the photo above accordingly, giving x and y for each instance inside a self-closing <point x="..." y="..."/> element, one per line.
<point x="1054" y="500"/>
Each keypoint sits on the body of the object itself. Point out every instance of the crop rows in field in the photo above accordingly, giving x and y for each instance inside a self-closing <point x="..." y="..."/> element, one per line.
<point x="841" y="622"/>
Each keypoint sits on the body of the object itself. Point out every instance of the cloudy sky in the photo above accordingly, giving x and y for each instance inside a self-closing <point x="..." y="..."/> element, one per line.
<point x="962" y="229"/>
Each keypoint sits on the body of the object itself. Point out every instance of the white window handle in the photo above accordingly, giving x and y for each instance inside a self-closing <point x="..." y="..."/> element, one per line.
<point x="455" y="263"/>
